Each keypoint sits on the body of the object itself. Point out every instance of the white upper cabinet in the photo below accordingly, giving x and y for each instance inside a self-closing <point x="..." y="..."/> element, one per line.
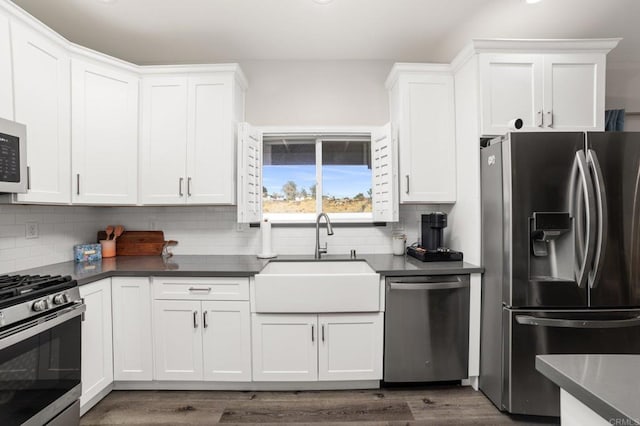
<point x="163" y="146"/>
<point x="188" y="145"/>
<point x="549" y="91"/>
<point x="6" y="79"/>
<point x="41" y="73"/>
<point x="422" y="111"/>
<point x="511" y="89"/>
<point x="574" y="91"/>
<point x="104" y="134"/>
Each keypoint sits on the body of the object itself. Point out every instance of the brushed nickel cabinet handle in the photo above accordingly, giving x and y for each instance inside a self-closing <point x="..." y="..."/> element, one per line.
<point x="78" y="184"/>
<point x="407" y="191"/>
<point x="323" y="332"/>
<point x="195" y="319"/>
<point x="28" y="177"/>
<point x="189" y="186"/>
<point x="204" y="319"/>
<point x="312" y="334"/>
<point x="180" y="181"/>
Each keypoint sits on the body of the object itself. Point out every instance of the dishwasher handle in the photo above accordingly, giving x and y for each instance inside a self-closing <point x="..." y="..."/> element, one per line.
<point x="428" y="286"/>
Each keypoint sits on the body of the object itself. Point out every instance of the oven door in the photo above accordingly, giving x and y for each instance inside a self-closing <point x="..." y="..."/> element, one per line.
<point x="40" y="367"/>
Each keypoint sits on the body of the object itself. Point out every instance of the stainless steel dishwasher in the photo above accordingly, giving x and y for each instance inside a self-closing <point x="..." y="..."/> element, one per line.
<point x="426" y="329"/>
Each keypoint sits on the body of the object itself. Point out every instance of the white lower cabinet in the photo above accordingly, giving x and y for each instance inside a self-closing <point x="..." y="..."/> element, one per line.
<point x="285" y="347"/>
<point x="350" y="346"/>
<point x="132" y="347"/>
<point x="178" y="341"/>
<point x="289" y="347"/>
<point x="226" y="341"/>
<point x="202" y="339"/>
<point x="97" y="354"/>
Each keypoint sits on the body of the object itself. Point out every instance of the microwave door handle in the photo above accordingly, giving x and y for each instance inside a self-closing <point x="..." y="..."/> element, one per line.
<point x="589" y="212"/>
<point x="572" y="323"/>
<point x="602" y="219"/>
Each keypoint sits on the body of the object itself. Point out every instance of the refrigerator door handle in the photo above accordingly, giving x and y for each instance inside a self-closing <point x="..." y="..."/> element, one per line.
<point x="589" y="213"/>
<point x="568" y="323"/>
<point x="602" y="219"/>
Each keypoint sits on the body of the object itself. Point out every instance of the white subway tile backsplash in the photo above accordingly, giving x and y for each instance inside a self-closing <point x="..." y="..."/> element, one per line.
<point x="198" y="230"/>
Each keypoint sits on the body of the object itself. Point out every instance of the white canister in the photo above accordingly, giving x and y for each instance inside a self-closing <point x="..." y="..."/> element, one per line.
<point x="398" y="243"/>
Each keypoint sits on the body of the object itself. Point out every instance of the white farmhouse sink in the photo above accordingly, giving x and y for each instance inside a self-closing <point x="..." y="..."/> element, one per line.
<point x="317" y="286"/>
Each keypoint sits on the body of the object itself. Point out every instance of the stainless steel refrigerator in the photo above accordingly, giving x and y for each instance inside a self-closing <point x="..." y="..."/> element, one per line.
<point x="561" y="252"/>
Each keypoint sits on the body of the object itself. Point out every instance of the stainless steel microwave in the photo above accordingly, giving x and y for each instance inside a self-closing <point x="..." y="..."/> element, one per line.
<point x="13" y="156"/>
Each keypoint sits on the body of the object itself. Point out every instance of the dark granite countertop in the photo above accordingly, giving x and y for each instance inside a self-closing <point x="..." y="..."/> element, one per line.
<point x="235" y="265"/>
<point x="608" y="384"/>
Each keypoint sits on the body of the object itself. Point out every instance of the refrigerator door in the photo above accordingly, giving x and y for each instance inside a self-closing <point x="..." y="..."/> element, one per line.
<point x="531" y="333"/>
<point x="615" y="160"/>
<point x="546" y="175"/>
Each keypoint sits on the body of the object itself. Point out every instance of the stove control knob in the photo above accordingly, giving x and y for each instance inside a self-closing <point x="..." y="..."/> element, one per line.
<point x="60" y="299"/>
<point x="40" y="305"/>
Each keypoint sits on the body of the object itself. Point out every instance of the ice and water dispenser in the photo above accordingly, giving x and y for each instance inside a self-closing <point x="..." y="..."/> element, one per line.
<point x="552" y="251"/>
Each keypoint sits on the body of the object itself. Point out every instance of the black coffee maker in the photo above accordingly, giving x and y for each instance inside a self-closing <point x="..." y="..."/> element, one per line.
<point x="432" y="248"/>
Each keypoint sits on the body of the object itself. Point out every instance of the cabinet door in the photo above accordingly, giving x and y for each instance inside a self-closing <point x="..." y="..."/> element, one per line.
<point x="510" y="88"/>
<point x="6" y="80"/>
<point x="427" y="140"/>
<point x="42" y="102"/>
<point x="97" y="355"/>
<point x="132" y="342"/>
<point x="178" y="340"/>
<point x="163" y="145"/>
<point x="211" y="144"/>
<point x="350" y="346"/>
<point x="574" y="89"/>
<point x="226" y="341"/>
<point x="285" y="347"/>
<point x="104" y="134"/>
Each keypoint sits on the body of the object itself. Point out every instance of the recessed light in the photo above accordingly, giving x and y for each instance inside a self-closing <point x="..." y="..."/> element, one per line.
<point x="323" y="1"/>
<point x="106" y="1"/>
<point x="532" y="1"/>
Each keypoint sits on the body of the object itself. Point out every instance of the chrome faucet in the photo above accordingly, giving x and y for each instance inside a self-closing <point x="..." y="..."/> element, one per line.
<point x="320" y="250"/>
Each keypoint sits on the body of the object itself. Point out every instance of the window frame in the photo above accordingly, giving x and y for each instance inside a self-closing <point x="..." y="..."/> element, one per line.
<point x="319" y="135"/>
<point x="384" y="173"/>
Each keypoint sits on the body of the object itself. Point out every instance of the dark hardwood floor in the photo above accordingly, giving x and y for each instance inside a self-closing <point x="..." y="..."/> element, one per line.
<point x="451" y="405"/>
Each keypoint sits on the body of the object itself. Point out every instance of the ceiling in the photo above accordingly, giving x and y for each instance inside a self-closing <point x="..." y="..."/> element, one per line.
<point x="205" y="31"/>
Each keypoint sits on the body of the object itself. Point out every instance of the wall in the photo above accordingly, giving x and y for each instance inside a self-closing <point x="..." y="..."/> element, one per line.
<point x="60" y="227"/>
<point x="306" y="93"/>
<point x="623" y="91"/>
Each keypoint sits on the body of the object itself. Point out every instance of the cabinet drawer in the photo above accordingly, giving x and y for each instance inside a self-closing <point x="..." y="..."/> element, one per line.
<point x="192" y="288"/>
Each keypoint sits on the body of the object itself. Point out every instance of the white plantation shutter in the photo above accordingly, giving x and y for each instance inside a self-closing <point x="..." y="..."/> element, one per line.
<point x="249" y="174"/>
<point x="385" y="174"/>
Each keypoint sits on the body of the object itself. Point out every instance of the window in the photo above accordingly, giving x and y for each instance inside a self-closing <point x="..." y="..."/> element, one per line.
<point x="292" y="176"/>
<point x="304" y="175"/>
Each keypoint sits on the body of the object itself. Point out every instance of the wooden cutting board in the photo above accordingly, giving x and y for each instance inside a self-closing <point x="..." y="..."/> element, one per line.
<point x="138" y="243"/>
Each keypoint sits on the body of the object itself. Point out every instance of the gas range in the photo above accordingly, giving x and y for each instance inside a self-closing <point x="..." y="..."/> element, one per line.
<point x="26" y="296"/>
<point x="40" y="349"/>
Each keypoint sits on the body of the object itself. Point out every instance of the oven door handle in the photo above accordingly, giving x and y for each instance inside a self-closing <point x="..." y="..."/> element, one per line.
<point x="33" y="328"/>
<point x="570" y="323"/>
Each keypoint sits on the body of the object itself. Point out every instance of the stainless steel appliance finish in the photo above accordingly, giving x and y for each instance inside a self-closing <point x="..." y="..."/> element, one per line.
<point x="426" y="330"/>
<point x="13" y="156"/>
<point x="40" y="348"/>
<point x="560" y="248"/>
